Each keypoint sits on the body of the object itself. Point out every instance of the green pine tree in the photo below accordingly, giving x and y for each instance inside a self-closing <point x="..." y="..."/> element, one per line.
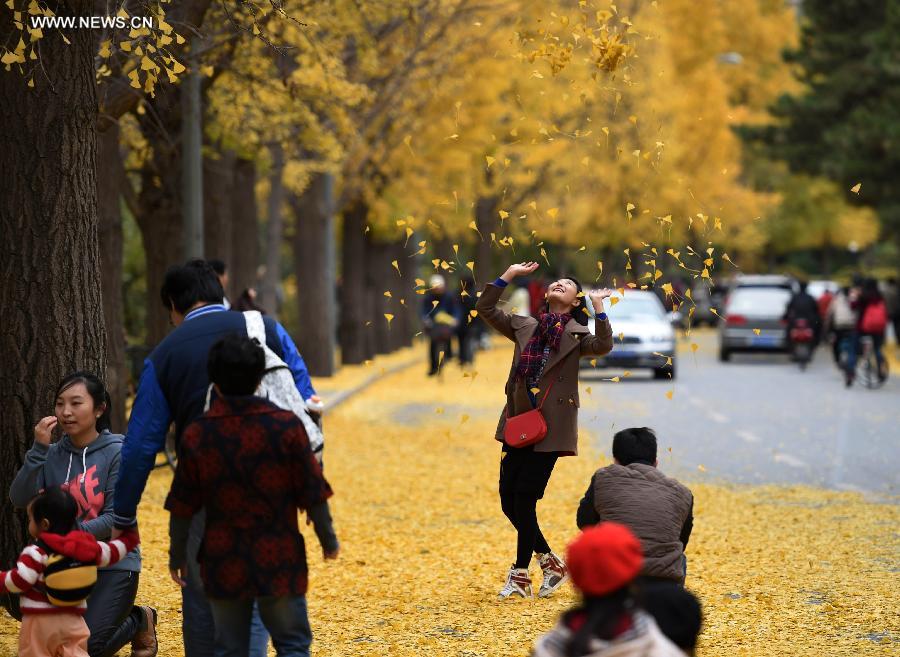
<point x="845" y="123"/>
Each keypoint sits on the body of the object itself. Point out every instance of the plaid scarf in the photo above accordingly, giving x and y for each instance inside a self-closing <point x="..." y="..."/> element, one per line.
<point x="537" y="352"/>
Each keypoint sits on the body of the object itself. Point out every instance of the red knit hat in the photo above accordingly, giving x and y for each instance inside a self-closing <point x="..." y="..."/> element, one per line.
<point x="604" y="558"/>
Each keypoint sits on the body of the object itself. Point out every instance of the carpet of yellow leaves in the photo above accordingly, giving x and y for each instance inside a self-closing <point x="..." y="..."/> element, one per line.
<point x="425" y="548"/>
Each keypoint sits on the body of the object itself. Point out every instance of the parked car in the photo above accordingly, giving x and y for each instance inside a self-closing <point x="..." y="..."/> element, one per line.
<point x="754" y="320"/>
<point x="764" y="281"/>
<point x="641" y="330"/>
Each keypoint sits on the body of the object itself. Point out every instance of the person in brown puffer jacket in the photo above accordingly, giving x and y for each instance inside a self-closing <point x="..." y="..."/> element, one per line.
<point x="633" y="492"/>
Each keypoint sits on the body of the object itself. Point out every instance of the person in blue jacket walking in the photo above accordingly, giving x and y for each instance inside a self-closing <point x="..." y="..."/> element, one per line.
<point x="172" y="389"/>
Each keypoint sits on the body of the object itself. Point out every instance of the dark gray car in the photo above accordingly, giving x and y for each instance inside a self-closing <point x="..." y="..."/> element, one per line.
<point x="754" y="321"/>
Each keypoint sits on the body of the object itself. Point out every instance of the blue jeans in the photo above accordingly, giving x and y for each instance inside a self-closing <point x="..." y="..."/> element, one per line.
<point x="197" y="626"/>
<point x="284" y="617"/>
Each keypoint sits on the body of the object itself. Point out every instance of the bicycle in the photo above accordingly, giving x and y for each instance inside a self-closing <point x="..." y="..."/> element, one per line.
<point x="867" y="371"/>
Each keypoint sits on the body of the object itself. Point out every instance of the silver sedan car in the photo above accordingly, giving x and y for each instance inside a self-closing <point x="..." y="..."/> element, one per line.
<point x="754" y="321"/>
<point x="643" y="334"/>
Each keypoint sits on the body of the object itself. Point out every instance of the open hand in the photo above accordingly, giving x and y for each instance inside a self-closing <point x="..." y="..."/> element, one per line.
<point x="597" y="297"/>
<point x="179" y="575"/>
<point x="520" y="269"/>
<point x="43" y="430"/>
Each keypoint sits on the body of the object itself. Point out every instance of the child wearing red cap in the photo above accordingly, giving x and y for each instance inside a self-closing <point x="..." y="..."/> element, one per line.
<point x="603" y="563"/>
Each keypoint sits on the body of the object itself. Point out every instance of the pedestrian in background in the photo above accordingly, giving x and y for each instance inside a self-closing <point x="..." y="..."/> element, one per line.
<point x="468" y="332"/>
<point x="604" y="561"/>
<point x="840" y="325"/>
<point x="440" y="317"/>
<point x="545" y="360"/>
<point x="222" y="273"/>
<point x="891" y="295"/>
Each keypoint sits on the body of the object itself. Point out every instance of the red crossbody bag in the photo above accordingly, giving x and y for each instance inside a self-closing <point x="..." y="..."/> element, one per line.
<point x="526" y="428"/>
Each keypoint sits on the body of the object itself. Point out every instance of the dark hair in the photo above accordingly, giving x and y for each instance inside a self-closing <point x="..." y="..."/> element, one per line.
<point x="246" y="302"/>
<point x="95" y="389"/>
<point x="236" y="364"/>
<point x="56" y="506"/>
<point x="218" y="266"/>
<point x="635" y="444"/>
<point x="676" y="611"/>
<point x="186" y="285"/>
<point x="602" y="615"/>
<point x="579" y="313"/>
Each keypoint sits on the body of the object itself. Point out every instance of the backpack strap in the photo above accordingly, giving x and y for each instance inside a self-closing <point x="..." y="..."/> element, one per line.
<point x="256" y="329"/>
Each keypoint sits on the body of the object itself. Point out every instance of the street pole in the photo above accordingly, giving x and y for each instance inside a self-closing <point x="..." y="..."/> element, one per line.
<point x="192" y="158"/>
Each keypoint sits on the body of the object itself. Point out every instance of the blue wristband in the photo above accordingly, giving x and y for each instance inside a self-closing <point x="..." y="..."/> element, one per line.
<point x="602" y="316"/>
<point x="500" y="283"/>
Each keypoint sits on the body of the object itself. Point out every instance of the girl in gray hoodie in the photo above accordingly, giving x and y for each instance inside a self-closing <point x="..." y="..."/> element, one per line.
<point x="85" y="462"/>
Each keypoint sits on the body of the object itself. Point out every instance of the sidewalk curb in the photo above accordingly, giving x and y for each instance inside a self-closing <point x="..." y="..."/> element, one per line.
<point x="344" y="395"/>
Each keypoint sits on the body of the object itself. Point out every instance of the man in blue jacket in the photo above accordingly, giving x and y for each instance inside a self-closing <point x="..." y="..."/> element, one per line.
<point x="173" y="388"/>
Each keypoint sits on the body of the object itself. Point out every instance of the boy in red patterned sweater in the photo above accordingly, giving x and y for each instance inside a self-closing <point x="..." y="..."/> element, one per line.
<point x="54" y="576"/>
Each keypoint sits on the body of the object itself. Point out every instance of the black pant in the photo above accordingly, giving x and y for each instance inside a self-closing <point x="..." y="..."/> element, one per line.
<point x="524" y="474"/>
<point x="435" y="347"/>
<point x="111" y="615"/>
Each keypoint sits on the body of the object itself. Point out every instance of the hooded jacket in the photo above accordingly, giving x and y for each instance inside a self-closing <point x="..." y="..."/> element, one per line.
<point x="89" y="474"/>
<point x="644" y="640"/>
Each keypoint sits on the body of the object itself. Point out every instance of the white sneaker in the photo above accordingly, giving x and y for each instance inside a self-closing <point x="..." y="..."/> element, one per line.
<point x="555" y="573"/>
<point x="518" y="583"/>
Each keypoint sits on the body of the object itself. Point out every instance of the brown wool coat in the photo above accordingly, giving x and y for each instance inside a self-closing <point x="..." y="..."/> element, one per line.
<point x="654" y="506"/>
<point x="560" y="410"/>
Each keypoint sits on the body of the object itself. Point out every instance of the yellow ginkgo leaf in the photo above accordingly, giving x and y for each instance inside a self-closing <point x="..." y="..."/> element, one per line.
<point x="756" y="331"/>
<point x="694" y="347"/>
<point x="490" y="160"/>
<point x="701" y="468"/>
<point x="388" y="317"/>
<point x="396" y="266"/>
<point x="855" y="189"/>
<point x="670" y="394"/>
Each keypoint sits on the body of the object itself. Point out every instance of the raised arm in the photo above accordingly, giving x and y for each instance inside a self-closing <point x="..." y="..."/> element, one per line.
<point x="490" y="296"/>
<point x="600" y="343"/>
<point x="30" y="478"/>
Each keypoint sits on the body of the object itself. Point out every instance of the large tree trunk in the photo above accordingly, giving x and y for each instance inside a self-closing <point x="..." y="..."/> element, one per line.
<point x="314" y="264"/>
<point x="381" y="278"/>
<point x="218" y="210"/>
<point x="244" y="228"/>
<point x="110" y="178"/>
<point x="353" y="284"/>
<point x="268" y="292"/>
<point x="49" y="253"/>
<point x="160" y="202"/>
<point x="409" y="318"/>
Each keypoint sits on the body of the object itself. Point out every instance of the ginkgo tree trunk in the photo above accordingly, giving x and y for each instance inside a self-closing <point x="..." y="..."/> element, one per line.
<point x="50" y="292"/>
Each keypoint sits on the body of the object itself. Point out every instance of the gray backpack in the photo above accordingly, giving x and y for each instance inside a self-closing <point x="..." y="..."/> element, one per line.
<point x="278" y="384"/>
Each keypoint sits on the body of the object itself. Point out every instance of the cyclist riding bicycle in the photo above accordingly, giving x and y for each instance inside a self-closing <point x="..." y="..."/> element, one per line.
<point x="871" y="322"/>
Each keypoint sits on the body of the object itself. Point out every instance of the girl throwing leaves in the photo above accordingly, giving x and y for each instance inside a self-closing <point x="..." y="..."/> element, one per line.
<point x="540" y="420"/>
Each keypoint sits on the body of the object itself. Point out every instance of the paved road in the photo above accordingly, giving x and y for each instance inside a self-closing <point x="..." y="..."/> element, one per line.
<point x="757" y="419"/>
